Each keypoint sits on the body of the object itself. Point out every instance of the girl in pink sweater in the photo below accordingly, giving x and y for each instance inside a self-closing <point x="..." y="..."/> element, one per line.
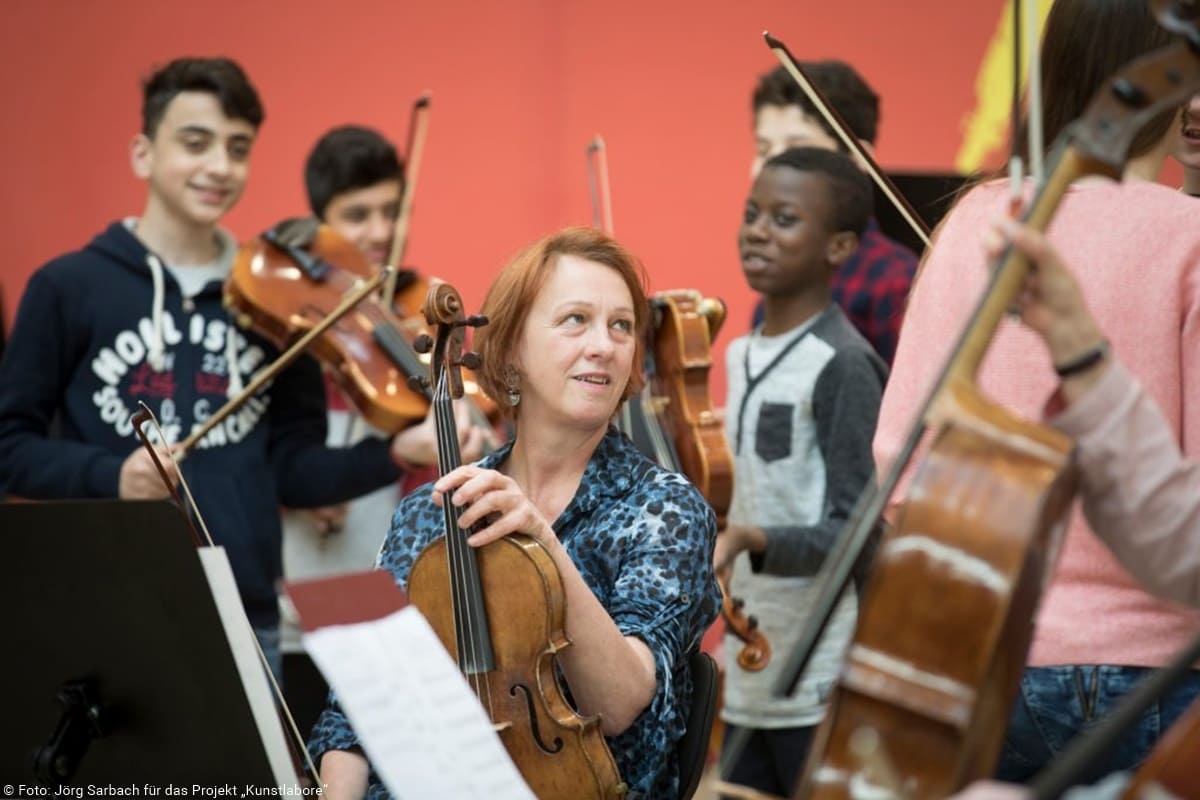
<point x="1138" y="247"/>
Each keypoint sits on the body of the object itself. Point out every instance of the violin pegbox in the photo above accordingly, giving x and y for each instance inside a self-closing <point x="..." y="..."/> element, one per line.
<point x="444" y="313"/>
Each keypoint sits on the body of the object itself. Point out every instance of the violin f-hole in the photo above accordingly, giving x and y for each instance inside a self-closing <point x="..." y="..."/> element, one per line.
<point x="533" y="719"/>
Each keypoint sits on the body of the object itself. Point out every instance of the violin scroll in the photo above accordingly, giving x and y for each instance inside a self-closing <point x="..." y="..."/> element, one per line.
<point x="444" y="309"/>
<point x="756" y="650"/>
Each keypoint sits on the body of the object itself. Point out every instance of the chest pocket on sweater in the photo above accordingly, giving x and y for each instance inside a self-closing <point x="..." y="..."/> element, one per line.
<point x="773" y="433"/>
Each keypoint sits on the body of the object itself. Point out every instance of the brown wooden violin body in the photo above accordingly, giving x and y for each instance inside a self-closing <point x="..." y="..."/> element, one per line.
<point x="560" y="754"/>
<point x="500" y="611"/>
<point x="946" y="619"/>
<point x="369" y="350"/>
<point x="686" y="324"/>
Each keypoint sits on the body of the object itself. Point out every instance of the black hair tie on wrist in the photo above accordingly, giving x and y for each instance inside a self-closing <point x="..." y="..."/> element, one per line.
<point x="1083" y="362"/>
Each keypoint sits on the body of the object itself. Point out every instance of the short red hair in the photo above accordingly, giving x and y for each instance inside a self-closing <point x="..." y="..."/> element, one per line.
<point x="513" y="292"/>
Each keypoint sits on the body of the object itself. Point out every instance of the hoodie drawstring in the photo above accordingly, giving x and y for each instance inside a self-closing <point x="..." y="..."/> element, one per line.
<point x="157" y="349"/>
<point x="231" y="358"/>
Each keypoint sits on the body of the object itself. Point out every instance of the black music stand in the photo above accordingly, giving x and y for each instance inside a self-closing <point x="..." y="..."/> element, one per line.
<point x="112" y="600"/>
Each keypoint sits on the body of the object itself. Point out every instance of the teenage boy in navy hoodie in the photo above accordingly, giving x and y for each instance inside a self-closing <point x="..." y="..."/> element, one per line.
<point x="137" y="316"/>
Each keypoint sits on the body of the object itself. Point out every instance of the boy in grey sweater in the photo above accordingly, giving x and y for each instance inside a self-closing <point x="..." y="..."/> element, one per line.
<point x="804" y="392"/>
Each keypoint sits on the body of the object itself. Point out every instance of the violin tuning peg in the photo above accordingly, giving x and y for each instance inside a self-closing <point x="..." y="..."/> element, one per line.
<point x="471" y="361"/>
<point x="423" y="343"/>
<point x="752" y="622"/>
<point x="477" y="321"/>
<point x="738" y="603"/>
<point x="418" y="383"/>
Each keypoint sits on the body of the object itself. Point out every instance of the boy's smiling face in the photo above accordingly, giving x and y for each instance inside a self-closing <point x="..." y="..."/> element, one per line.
<point x="785" y="240"/>
<point x="197" y="160"/>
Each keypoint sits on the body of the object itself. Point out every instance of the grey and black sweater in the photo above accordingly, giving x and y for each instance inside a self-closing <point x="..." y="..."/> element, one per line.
<point x="800" y="416"/>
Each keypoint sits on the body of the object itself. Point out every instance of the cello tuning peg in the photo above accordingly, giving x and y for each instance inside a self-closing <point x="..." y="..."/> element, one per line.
<point x="1130" y="93"/>
<point x="471" y="361"/>
<point x="423" y="343"/>
<point x="476" y="321"/>
<point x="418" y="383"/>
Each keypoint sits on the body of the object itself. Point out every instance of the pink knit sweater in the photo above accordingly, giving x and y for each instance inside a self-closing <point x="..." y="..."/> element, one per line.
<point x="1136" y="250"/>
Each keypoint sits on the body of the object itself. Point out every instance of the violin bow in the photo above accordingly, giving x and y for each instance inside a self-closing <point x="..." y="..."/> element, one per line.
<point x="267" y="374"/>
<point x="1025" y="38"/>
<point x="417" y="128"/>
<point x="140" y="419"/>
<point x="848" y="138"/>
<point x="598" y="188"/>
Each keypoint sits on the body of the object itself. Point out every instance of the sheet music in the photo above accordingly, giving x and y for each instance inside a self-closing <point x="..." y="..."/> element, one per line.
<point x="419" y="722"/>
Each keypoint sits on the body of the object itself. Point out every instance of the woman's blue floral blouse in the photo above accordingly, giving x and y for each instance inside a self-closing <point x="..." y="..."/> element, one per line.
<point x="642" y="538"/>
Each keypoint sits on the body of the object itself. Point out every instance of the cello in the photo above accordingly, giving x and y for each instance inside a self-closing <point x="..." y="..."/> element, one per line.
<point x="466" y="593"/>
<point x="946" y="620"/>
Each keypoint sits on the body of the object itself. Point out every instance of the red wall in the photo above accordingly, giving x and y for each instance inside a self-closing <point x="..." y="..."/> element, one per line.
<point x="519" y="88"/>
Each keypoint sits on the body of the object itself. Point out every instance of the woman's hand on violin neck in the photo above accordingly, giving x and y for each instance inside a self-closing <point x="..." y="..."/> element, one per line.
<point x="416" y="445"/>
<point x="495" y="501"/>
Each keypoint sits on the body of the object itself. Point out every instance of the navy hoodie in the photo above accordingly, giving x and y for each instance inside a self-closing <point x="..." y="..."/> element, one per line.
<point x="79" y="360"/>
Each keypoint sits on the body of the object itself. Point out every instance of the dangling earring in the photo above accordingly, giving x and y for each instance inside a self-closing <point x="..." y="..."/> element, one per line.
<point x="514" y="393"/>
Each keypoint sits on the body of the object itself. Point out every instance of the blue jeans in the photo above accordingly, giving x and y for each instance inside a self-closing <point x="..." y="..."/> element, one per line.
<point x="1057" y="703"/>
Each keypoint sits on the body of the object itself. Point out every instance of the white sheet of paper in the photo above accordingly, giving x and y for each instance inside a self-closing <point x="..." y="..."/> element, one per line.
<point x="417" y="719"/>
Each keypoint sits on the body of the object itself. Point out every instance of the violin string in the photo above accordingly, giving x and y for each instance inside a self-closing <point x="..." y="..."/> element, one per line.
<point x="298" y="737"/>
<point x="456" y="544"/>
<point x="458" y="605"/>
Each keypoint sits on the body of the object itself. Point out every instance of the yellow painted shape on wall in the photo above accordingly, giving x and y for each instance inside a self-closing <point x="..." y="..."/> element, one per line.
<point x="986" y="126"/>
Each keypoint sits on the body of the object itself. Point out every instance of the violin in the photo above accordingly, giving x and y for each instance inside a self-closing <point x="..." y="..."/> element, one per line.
<point x="674" y="412"/>
<point x="500" y="609"/>
<point x="685" y="323"/>
<point x="946" y="618"/>
<point x="280" y="291"/>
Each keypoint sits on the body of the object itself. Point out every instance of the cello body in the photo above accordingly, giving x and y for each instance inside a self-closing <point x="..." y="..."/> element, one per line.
<point x="947" y="614"/>
<point x="560" y="754"/>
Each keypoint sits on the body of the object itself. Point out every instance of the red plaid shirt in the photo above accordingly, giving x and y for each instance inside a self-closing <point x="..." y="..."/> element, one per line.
<point x="872" y="287"/>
